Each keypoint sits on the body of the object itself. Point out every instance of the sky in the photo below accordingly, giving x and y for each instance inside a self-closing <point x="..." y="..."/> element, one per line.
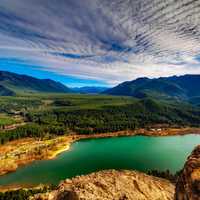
<point x="100" y="42"/>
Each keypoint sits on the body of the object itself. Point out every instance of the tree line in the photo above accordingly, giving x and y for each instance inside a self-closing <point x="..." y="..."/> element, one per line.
<point x="143" y="113"/>
<point x="24" y="194"/>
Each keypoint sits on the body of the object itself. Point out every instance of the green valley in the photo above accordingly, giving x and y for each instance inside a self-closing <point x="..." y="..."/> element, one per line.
<point x="56" y="114"/>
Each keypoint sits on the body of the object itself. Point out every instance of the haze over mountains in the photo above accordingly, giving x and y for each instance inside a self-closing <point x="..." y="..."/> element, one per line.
<point x="90" y="89"/>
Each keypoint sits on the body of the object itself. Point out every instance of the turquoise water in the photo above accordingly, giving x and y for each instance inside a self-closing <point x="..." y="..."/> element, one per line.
<point x="85" y="156"/>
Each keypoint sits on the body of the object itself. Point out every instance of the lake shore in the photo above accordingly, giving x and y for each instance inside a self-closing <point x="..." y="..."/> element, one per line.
<point x="154" y="132"/>
<point x="22" y="152"/>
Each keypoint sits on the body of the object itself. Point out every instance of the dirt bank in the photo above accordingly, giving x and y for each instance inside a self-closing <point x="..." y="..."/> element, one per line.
<point x="21" y="152"/>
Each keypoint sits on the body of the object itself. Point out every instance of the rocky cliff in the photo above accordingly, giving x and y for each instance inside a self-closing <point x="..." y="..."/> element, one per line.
<point x="112" y="185"/>
<point x="188" y="184"/>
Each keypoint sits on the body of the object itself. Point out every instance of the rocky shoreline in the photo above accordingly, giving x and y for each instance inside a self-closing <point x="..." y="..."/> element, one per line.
<point x="26" y="151"/>
<point x="112" y="184"/>
<point x="130" y="185"/>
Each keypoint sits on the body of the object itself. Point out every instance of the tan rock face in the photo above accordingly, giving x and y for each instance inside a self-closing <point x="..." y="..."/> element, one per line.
<point x="188" y="185"/>
<point x="112" y="185"/>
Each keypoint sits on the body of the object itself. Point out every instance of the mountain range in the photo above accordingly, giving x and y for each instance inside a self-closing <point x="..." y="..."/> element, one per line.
<point x="12" y="83"/>
<point x="185" y="87"/>
<point x="89" y="89"/>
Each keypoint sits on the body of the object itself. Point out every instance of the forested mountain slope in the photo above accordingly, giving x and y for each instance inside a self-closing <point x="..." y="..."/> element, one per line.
<point x="177" y="87"/>
<point x="10" y="83"/>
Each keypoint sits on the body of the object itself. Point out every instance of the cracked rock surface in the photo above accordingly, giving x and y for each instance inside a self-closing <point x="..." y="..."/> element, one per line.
<point x="112" y="185"/>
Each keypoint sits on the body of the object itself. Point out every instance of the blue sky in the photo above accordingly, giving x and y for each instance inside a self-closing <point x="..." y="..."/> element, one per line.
<point x="99" y="42"/>
<point x="35" y="71"/>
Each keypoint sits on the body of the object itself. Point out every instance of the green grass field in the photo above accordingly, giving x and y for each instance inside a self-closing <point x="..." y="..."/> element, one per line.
<point x="37" y="102"/>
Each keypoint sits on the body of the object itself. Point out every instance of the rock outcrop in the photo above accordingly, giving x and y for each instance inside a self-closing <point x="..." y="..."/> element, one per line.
<point x="188" y="184"/>
<point x="112" y="185"/>
<point x="130" y="185"/>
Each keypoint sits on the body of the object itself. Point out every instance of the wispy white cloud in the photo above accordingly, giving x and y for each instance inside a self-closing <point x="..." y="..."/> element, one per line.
<point x="108" y="40"/>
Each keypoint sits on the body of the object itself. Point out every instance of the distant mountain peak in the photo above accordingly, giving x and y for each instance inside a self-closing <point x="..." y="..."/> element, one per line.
<point x="89" y="89"/>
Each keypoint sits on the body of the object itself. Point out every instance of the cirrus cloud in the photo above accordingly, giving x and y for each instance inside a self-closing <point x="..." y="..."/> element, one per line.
<point x="107" y="40"/>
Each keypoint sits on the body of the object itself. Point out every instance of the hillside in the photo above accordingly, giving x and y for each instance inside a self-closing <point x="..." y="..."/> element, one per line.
<point x="176" y="87"/>
<point x="5" y="91"/>
<point x="12" y="83"/>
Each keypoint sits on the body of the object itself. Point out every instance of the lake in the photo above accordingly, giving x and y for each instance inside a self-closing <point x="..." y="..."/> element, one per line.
<point x="136" y="152"/>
